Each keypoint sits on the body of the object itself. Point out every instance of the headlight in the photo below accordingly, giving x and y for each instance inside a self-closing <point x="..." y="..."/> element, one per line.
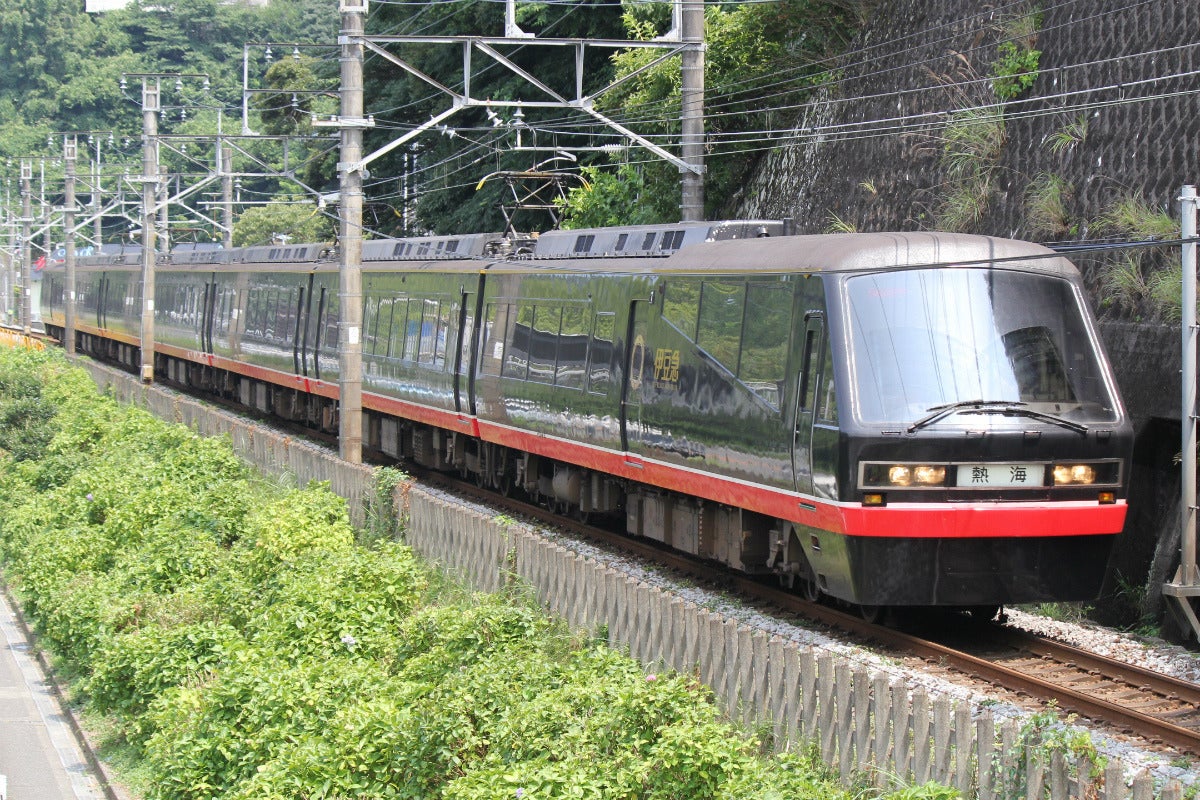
<point x="930" y="476"/>
<point x="885" y="476"/>
<point x="1084" y="474"/>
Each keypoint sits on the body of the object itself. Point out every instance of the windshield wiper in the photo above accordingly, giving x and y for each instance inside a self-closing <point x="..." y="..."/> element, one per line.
<point x="1016" y="407"/>
<point x="946" y="409"/>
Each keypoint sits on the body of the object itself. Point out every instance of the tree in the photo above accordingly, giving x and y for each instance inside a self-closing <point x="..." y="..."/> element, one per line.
<point x="298" y="220"/>
<point x="751" y="47"/>
<point x="615" y="197"/>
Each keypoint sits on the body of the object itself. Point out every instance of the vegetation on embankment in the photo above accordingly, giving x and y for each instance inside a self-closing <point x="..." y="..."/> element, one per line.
<point x="238" y="642"/>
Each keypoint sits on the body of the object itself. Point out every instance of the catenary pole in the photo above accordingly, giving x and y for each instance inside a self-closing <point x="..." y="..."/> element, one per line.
<point x="70" y="153"/>
<point x="26" y="244"/>
<point x="350" y="211"/>
<point x="692" y="94"/>
<point x="1186" y="585"/>
<point x="150" y="106"/>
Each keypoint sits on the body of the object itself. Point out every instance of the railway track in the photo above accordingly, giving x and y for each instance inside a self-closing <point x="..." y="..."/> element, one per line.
<point x="1156" y="708"/>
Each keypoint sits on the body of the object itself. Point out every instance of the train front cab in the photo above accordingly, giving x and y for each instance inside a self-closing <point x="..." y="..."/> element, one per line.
<point x="980" y="453"/>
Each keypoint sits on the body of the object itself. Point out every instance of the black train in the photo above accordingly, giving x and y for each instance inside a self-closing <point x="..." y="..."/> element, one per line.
<point x="905" y="419"/>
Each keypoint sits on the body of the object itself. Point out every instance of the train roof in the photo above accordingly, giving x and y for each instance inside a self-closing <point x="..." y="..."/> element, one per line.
<point x="724" y="247"/>
<point x="848" y="252"/>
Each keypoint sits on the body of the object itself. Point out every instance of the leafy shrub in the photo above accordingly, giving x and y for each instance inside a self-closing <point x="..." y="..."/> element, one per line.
<point x="132" y="669"/>
<point x="350" y="602"/>
<point x="309" y="520"/>
<point x="248" y="648"/>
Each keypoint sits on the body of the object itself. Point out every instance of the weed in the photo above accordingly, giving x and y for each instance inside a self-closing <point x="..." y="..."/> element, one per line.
<point x="1016" y="67"/>
<point x="973" y="141"/>
<point x="1063" y="612"/>
<point x="839" y="225"/>
<point x="1045" y="205"/>
<point x="1123" y="281"/>
<point x="965" y="205"/>
<point x="1165" y="290"/>
<point x="1136" y="218"/>
<point x="1015" y="70"/>
<point x="1072" y="134"/>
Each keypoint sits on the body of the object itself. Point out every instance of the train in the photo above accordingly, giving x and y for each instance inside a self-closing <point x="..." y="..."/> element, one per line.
<point x="887" y="420"/>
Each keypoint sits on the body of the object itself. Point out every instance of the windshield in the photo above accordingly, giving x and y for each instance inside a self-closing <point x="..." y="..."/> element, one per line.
<point x="924" y="338"/>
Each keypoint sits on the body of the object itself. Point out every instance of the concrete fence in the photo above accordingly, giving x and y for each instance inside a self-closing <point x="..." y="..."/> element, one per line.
<point x="861" y="723"/>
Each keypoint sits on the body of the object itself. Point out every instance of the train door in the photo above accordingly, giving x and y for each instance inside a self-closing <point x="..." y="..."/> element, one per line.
<point x="208" y="312"/>
<point x="464" y="375"/>
<point x="300" y="334"/>
<point x="806" y="400"/>
<point x="635" y="365"/>
<point x="103" y="287"/>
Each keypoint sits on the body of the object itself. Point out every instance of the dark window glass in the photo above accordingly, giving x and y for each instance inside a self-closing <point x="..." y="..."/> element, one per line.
<point x="722" y="304"/>
<point x="924" y="338"/>
<point x="494" y="328"/>
<point x="600" y="354"/>
<point x="572" y="348"/>
<point x="543" y="347"/>
<point x="516" y="355"/>
<point x="681" y="304"/>
<point x="765" y="339"/>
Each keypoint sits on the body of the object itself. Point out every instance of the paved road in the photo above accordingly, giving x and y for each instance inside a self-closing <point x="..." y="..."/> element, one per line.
<point x="38" y="752"/>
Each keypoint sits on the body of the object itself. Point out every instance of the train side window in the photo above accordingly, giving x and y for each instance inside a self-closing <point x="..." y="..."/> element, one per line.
<point x="446" y="327"/>
<point x="827" y="410"/>
<point x="516" y="356"/>
<point x="622" y="240"/>
<point x="600" y="353"/>
<point x="370" y="324"/>
<point x="412" y="335"/>
<point x="543" y="346"/>
<point x="494" y="325"/>
<point x="398" y="328"/>
<point x="722" y="305"/>
<point x="681" y="305"/>
<point x="765" y="339"/>
<point x="384" y="341"/>
<point x="429" y="332"/>
<point x="811" y="366"/>
<point x="572" y="348"/>
<point x="648" y="242"/>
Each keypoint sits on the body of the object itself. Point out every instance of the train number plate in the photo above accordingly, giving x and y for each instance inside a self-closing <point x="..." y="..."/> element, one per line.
<point x="987" y="475"/>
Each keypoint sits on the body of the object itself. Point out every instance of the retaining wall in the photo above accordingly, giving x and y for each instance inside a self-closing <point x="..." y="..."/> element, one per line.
<point x="803" y="695"/>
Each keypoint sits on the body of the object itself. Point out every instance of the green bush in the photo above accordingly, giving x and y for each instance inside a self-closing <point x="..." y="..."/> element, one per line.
<point x="246" y="647"/>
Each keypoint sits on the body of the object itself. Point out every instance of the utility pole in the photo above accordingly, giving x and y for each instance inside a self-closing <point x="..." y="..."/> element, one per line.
<point x="1186" y="586"/>
<point x="97" y="190"/>
<point x="225" y="165"/>
<point x="69" y="155"/>
<point x="150" y="107"/>
<point x="350" y="210"/>
<point x="692" y="94"/>
<point x="26" y="236"/>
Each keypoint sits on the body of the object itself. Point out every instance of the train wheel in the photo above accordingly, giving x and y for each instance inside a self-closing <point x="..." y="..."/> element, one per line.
<point x="809" y="589"/>
<point x="872" y="614"/>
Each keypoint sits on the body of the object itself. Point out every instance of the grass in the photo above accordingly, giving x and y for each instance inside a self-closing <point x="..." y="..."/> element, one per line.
<point x="1045" y="205"/>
